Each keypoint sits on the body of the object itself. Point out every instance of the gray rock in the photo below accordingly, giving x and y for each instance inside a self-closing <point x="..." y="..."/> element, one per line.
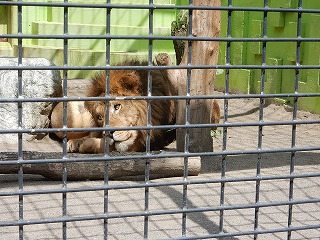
<point x="35" y="84"/>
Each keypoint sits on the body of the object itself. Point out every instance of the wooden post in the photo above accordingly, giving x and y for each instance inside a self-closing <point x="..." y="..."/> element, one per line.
<point x="205" y="23"/>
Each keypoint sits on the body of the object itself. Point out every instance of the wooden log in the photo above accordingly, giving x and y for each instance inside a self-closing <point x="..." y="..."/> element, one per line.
<point x="94" y="170"/>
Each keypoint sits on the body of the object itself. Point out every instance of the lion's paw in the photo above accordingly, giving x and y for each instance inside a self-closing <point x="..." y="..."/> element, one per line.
<point x="73" y="145"/>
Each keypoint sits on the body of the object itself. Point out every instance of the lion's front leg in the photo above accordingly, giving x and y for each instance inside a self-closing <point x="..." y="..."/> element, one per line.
<point x="88" y="145"/>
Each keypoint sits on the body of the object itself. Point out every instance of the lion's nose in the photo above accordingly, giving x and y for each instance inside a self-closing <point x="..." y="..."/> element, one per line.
<point x="111" y="134"/>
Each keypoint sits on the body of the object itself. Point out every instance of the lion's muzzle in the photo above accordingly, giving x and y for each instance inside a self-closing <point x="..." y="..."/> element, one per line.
<point x="123" y="140"/>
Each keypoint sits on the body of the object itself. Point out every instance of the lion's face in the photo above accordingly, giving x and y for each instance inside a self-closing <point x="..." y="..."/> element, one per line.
<point x="132" y="113"/>
<point x="125" y="113"/>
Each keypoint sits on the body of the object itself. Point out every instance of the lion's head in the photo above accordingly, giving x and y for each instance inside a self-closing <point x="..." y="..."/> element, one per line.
<point x="131" y="113"/>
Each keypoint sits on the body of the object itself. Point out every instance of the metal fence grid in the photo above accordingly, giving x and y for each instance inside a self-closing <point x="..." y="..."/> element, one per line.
<point x="267" y="186"/>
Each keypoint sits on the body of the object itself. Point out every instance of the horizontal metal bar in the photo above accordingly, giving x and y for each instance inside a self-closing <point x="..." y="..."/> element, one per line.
<point x="160" y="184"/>
<point x="173" y="97"/>
<point x="155" y="7"/>
<point x="159" y="156"/>
<point x="159" y="212"/>
<point x="291" y="67"/>
<point x="158" y="127"/>
<point x="158" y="37"/>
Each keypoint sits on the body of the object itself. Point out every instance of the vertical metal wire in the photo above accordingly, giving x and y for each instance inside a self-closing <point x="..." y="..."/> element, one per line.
<point x="225" y="116"/>
<point x="106" y="171"/>
<point x="261" y="107"/>
<point x="187" y="117"/>
<point x="20" y="125"/>
<point x="65" y="112"/>
<point x="294" y="118"/>
<point x="149" y="111"/>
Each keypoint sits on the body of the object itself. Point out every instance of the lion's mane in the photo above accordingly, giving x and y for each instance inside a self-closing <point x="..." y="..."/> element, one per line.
<point x="135" y="83"/>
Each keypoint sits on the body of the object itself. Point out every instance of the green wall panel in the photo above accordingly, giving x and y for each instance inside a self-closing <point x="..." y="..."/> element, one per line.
<point x="279" y="25"/>
<point x="87" y="21"/>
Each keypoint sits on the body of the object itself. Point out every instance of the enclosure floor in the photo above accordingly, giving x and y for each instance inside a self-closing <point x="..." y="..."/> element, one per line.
<point x="200" y="196"/>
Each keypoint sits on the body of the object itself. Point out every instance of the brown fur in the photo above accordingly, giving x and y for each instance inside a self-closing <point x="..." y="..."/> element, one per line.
<point x="131" y="112"/>
<point x="78" y="117"/>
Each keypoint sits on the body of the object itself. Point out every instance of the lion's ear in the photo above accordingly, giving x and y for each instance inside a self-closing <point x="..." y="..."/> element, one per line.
<point x="131" y="83"/>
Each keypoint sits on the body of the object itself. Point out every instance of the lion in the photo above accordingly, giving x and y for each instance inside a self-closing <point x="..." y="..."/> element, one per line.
<point x="129" y="113"/>
<point x="126" y="113"/>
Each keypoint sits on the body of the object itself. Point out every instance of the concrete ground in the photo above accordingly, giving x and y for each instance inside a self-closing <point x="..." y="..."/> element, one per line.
<point x="166" y="194"/>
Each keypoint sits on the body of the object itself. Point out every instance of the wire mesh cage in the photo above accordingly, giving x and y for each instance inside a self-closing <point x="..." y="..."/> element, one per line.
<point x="237" y="85"/>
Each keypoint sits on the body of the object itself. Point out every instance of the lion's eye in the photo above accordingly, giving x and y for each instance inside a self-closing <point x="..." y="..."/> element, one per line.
<point x="99" y="117"/>
<point x="117" y="106"/>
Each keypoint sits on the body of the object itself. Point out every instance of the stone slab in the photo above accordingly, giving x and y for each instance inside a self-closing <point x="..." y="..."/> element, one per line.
<point x="35" y="84"/>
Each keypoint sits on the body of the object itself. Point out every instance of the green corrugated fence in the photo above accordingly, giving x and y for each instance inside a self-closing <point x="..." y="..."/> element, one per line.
<point x="279" y="25"/>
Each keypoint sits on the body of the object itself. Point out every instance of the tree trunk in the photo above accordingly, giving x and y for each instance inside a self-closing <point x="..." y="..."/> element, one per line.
<point x="205" y="23"/>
